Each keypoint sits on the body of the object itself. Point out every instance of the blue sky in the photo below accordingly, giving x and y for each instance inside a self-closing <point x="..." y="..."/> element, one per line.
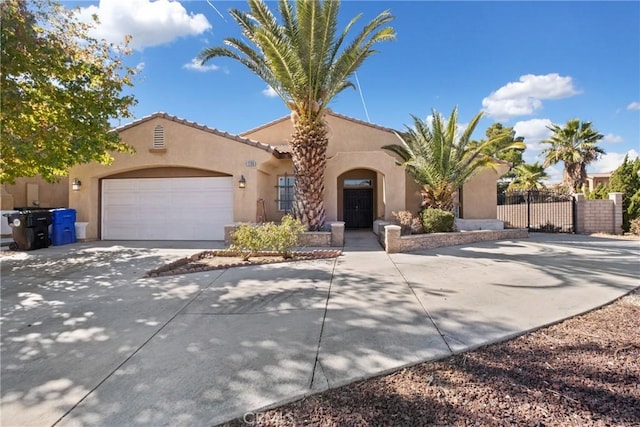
<point x="526" y="64"/>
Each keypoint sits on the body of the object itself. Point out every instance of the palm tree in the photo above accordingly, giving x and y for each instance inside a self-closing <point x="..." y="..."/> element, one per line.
<point x="441" y="161"/>
<point x="575" y="144"/>
<point x="528" y="177"/>
<point x="304" y="60"/>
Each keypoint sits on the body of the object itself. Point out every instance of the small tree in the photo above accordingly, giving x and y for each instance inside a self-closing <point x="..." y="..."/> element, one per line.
<point x="599" y="193"/>
<point x="626" y="179"/>
<point x="528" y="177"/>
<point x="513" y="155"/>
<point x="60" y="89"/>
<point x="441" y="159"/>
<point x="576" y="145"/>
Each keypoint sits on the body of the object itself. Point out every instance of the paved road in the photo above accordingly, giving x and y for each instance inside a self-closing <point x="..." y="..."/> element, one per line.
<point x="87" y="341"/>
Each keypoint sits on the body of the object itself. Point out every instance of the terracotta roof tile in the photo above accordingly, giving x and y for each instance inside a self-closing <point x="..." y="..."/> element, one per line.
<point x="328" y="111"/>
<point x="269" y="148"/>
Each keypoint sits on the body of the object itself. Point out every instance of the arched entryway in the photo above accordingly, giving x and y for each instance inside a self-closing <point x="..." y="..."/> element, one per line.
<point x="357" y="198"/>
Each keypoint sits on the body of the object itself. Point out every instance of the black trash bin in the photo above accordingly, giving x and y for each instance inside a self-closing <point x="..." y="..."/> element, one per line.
<point x="29" y="229"/>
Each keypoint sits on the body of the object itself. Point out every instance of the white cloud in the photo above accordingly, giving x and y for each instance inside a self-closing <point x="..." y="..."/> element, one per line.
<point x="612" y="138"/>
<point x="533" y="131"/>
<point x="196" y="65"/>
<point x="635" y="105"/>
<point x="555" y="174"/>
<point x="525" y="96"/>
<point x="269" y="92"/>
<point x="150" y="23"/>
<point x="610" y="161"/>
<point x="140" y="67"/>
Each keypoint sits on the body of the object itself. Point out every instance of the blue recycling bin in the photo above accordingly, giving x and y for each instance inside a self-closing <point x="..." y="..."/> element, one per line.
<point x="63" y="226"/>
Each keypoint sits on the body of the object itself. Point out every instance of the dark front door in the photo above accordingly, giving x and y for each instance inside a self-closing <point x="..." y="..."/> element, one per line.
<point x="358" y="207"/>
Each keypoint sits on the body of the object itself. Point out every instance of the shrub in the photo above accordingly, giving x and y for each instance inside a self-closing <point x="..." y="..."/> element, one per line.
<point x="408" y="223"/>
<point x="601" y="192"/>
<point x="416" y="225"/>
<point x="437" y="220"/>
<point x="634" y="226"/>
<point x="250" y="239"/>
<point x="285" y="236"/>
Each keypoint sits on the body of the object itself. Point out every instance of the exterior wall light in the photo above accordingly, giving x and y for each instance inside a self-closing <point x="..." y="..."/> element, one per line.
<point x="76" y="184"/>
<point x="242" y="183"/>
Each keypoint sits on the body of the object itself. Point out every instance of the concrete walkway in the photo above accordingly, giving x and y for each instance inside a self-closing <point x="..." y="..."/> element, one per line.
<point x="87" y="341"/>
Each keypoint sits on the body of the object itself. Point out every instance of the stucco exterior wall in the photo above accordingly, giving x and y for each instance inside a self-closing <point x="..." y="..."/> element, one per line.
<point x="27" y="190"/>
<point x="268" y="174"/>
<point x="391" y="191"/>
<point x="186" y="147"/>
<point x="353" y="145"/>
<point x="355" y="150"/>
<point x="479" y="194"/>
<point x="345" y="135"/>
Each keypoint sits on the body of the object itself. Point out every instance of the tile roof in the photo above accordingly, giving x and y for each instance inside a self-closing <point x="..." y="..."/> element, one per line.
<point x="269" y="148"/>
<point x="329" y="112"/>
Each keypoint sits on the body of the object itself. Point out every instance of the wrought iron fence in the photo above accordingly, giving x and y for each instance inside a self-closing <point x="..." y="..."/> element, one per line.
<point x="537" y="210"/>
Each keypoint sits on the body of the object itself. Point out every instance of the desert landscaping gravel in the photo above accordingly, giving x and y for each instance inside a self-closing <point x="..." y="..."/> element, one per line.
<point x="584" y="371"/>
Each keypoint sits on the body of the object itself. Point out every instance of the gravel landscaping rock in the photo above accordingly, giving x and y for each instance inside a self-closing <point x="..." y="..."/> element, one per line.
<point x="584" y="371"/>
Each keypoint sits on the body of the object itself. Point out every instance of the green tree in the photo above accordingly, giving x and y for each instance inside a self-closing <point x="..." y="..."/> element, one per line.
<point x="441" y="161"/>
<point x="528" y="177"/>
<point x="601" y="192"/>
<point x="575" y="144"/>
<point x="307" y="63"/>
<point x="513" y="156"/>
<point x="60" y="89"/>
<point x="626" y="179"/>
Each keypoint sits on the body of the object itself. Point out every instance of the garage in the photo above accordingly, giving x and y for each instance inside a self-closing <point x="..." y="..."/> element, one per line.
<point x="166" y="208"/>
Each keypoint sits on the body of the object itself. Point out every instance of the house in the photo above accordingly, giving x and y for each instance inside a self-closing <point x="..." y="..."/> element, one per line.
<point x="187" y="181"/>
<point x="595" y="179"/>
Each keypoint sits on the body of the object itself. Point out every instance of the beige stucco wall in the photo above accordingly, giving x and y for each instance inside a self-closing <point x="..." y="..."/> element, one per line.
<point x="390" y="180"/>
<point x="186" y="147"/>
<point x="593" y="182"/>
<point x="268" y="173"/>
<point x="27" y="190"/>
<point x="353" y="145"/>
<point x="193" y="151"/>
<point x="479" y="194"/>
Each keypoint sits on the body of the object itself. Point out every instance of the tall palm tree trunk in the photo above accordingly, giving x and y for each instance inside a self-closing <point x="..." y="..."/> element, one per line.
<point x="308" y="152"/>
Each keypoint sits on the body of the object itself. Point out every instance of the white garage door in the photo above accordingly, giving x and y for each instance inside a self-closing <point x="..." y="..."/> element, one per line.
<point x="166" y="208"/>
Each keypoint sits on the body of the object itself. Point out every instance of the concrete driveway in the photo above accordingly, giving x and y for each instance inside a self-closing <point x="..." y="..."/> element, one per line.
<point x="87" y="341"/>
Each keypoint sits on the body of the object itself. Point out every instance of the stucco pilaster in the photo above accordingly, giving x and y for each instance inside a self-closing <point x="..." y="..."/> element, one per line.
<point x="392" y="242"/>
<point x="617" y="211"/>
<point x="580" y="207"/>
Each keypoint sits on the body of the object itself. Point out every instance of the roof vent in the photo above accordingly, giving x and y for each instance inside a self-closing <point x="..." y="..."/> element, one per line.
<point x="158" y="137"/>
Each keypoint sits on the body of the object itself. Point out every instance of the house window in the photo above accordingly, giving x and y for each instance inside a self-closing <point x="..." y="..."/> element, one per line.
<point x="285" y="193"/>
<point x="158" y="137"/>
<point x="365" y="183"/>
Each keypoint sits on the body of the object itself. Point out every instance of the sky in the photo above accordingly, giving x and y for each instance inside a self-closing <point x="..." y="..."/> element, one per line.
<point x="526" y="65"/>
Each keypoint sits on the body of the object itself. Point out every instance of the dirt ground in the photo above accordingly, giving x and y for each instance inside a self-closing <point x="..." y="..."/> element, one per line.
<point x="222" y="259"/>
<point x="584" y="371"/>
